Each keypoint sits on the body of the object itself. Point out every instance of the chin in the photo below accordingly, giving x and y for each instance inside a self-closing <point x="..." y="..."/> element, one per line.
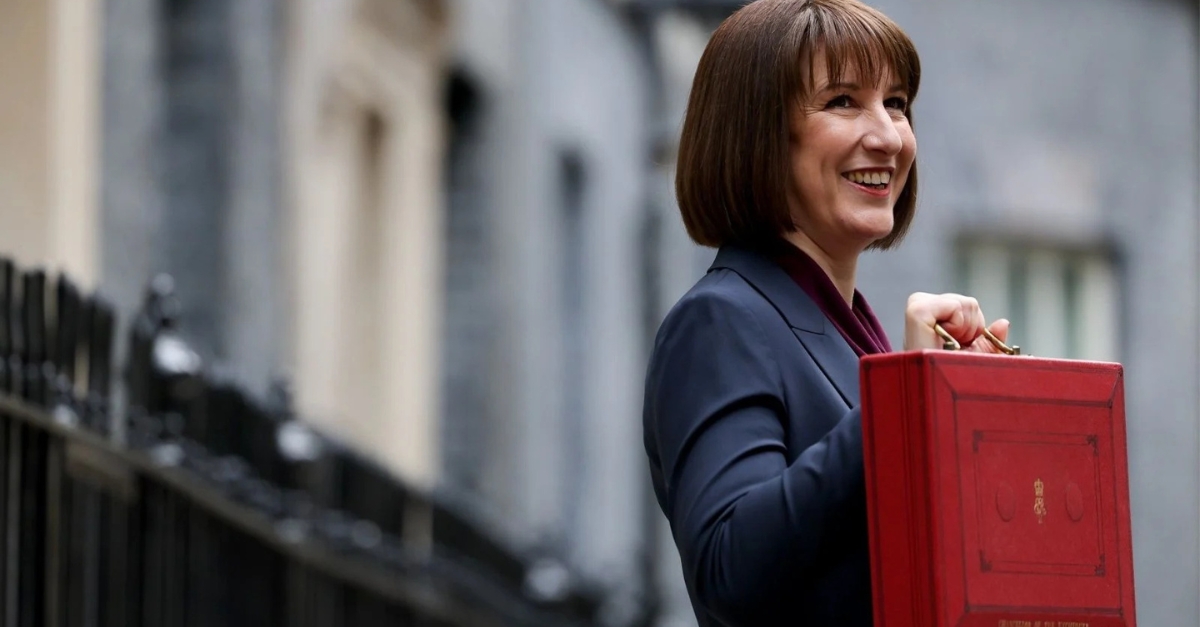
<point x="873" y="230"/>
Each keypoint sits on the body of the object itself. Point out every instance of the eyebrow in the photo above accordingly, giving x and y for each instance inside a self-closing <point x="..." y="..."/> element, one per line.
<point x="856" y="86"/>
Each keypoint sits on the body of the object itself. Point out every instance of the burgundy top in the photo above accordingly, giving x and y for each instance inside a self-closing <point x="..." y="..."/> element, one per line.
<point x="857" y="324"/>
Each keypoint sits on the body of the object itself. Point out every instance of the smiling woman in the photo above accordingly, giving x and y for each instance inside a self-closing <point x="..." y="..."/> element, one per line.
<point x="797" y="154"/>
<point x="765" y="68"/>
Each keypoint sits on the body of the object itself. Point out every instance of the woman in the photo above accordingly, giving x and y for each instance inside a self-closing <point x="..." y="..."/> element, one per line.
<point x="797" y="154"/>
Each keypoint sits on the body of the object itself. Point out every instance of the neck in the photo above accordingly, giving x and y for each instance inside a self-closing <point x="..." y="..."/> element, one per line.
<point x="839" y="268"/>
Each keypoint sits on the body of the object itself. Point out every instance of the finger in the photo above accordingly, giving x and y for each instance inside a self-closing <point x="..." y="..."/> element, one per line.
<point x="982" y="344"/>
<point x="969" y="323"/>
<point x="929" y="310"/>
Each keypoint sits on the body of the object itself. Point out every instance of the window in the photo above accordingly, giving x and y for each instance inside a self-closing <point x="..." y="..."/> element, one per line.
<point x="365" y="244"/>
<point x="573" y="288"/>
<point x="362" y="313"/>
<point x="468" y="337"/>
<point x="1062" y="301"/>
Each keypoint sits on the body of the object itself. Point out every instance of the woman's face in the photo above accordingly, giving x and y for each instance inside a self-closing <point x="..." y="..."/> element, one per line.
<point x="851" y="151"/>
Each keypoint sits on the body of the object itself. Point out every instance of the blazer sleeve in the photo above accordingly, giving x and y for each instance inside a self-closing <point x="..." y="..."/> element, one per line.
<point x="747" y="524"/>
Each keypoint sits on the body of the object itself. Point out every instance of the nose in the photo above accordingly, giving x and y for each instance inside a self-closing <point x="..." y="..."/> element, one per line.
<point x="881" y="134"/>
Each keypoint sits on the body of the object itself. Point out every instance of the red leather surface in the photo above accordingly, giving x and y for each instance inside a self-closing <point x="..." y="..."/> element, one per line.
<point x="997" y="491"/>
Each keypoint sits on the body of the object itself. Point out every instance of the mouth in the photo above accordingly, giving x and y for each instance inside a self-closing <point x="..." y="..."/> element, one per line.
<point x="876" y="181"/>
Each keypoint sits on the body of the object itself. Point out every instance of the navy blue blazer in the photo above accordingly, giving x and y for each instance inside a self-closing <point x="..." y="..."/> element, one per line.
<point x="752" y="429"/>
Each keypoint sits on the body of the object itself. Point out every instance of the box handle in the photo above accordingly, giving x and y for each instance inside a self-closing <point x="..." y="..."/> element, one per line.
<point x="951" y="344"/>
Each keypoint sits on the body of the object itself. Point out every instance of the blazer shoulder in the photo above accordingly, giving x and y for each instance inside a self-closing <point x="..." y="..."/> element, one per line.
<point x="720" y="295"/>
<point x="713" y="344"/>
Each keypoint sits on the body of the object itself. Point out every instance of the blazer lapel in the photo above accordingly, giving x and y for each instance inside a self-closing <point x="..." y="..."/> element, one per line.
<point x="836" y="359"/>
<point x="818" y="335"/>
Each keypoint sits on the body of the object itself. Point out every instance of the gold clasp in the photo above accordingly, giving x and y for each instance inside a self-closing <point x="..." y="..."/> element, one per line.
<point x="951" y="344"/>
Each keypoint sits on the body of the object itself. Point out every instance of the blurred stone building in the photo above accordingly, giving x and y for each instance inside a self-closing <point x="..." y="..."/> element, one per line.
<point x="451" y="223"/>
<point x="50" y="131"/>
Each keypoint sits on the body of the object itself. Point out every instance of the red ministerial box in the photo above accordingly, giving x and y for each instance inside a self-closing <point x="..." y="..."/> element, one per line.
<point x="997" y="491"/>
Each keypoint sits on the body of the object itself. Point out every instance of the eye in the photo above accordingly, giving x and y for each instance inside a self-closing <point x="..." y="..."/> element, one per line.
<point x="897" y="103"/>
<point x="839" y="102"/>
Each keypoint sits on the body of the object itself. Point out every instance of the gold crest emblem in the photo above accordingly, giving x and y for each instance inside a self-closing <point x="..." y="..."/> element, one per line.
<point x="1039" y="501"/>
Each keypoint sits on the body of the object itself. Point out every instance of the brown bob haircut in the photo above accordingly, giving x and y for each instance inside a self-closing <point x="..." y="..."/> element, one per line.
<point x="733" y="169"/>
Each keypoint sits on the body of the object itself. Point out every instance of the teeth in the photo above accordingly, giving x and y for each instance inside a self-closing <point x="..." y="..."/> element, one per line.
<point x="871" y="178"/>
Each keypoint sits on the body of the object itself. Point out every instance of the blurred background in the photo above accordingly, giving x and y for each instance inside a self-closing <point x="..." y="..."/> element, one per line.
<point x="450" y="225"/>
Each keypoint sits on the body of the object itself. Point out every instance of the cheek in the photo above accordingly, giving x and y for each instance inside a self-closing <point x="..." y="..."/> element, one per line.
<point x="811" y="168"/>
<point x="805" y="170"/>
<point x="909" y="141"/>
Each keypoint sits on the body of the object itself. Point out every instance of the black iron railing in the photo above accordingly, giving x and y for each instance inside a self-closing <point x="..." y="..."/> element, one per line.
<point x="199" y="505"/>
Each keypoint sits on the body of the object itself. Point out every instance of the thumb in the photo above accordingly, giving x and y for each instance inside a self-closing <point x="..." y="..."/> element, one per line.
<point x="999" y="328"/>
